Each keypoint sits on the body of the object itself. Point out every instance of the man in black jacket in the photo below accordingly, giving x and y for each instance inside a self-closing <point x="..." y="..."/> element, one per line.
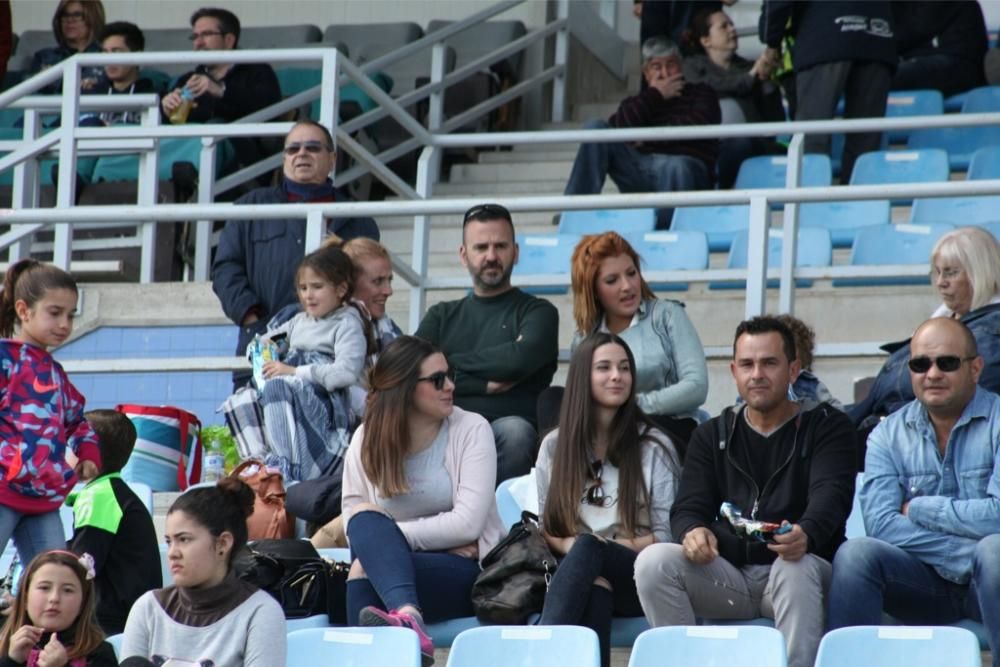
<point x="254" y="270"/>
<point x="777" y="461"/>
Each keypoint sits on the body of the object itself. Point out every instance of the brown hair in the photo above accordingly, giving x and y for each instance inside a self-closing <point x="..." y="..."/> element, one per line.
<point x="115" y="437"/>
<point x="28" y="281"/>
<point x="700" y="26"/>
<point x="336" y="266"/>
<point x="93" y="16"/>
<point x="358" y="249"/>
<point x="87" y="634"/>
<point x="222" y="508"/>
<point x="805" y="339"/>
<point x="575" y="445"/>
<point x="586" y="264"/>
<point x="391" y="383"/>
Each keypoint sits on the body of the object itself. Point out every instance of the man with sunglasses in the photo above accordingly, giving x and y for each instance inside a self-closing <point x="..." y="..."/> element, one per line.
<point x="930" y="498"/>
<point x="254" y="270"/>
<point x="788" y="467"/>
<point x="502" y="343"/>
<point x="224" y="92"/>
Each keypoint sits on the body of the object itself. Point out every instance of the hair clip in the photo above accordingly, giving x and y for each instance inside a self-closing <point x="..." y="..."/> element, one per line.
<point x="87" y="562"/>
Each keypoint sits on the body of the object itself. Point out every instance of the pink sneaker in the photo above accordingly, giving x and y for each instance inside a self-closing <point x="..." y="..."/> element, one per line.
<point x="375" y="617"/>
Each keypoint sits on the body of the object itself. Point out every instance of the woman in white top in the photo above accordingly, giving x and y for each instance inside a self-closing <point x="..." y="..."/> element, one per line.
<point x="418" y="496"/>
<point x="606" y="481"/>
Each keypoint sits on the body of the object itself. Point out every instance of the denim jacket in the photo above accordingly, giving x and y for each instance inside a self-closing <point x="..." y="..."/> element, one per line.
<point x="954" y="499"/>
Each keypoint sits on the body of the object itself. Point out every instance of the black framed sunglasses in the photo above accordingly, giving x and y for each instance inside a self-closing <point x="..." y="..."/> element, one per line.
<point x="486" y="211"/>
<point x="594" y="495"/>
<point x="438" y="379"/>
<point x="948" y="363"/>
<point x="313" y="147"/>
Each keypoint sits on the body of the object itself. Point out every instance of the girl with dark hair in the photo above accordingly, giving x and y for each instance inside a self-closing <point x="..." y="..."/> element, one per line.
<point x="209" y="616"/>
<point x="746" y="95"/>
<point x="418" y="496"/>
<point x="52" y="621"/>
<point x="305" y="400"/>
<point x="606" y="480"/>
<point x="41" y="412"/>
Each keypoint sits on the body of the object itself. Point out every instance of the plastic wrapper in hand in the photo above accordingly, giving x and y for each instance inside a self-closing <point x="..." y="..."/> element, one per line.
<point x="756" y="530"/>
<point x="260" y="351"/>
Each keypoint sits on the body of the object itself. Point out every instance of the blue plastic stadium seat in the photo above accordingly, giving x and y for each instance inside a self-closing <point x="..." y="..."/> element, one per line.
<point x="899" y="647"/>
<point x="719" y="223"/>
<point x="769" y="171"/>
<point x="856" y="519"/>
<point x="954" y="103"/>
<point x="844" y="218"/>
<point x="814" y="248"/>
<point x="317" y="621"/>
<point x="444" y="632"/>
<point x="116" y="643"/>
<point x="622" y="220"/>
<point x="126" y="167"/>
<point x="929" y="165"/>
<point x="354" y="647"/>
<point x="960" y="142"/>
<point x="901" y="103"/>
<point x="673" y="250"/>
<point x="985" y="164"/>
<point x="893" y="244"/>
<point x="510" y="511"/>
<point x="294" y="80"/>
<point x="733" y="646"/>
<point x="545" y="254"/>
<point x="985" y="99"/>
<point x="956" y="210"/>
<point x="521" y="646"/>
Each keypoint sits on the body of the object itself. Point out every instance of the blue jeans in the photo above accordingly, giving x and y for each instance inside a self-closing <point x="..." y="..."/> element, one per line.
<point x="633" y="171"/>
<point x="870" y="576"/>
<point x="517" y="446"/>
<point x="439" y="584"/>
<point x="574" y="599"/>
<point x="32" y="533"/>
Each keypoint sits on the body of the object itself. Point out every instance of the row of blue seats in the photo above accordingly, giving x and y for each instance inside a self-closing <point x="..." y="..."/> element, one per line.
<point x="544" y="646"/>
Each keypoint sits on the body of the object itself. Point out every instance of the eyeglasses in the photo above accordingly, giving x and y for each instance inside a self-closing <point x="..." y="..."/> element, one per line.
<point x="487" y="211"/>
<point x="72" y="16"/>
<point x="594" y="495"/>
<point x="947" y="274"/>
<point x="438" y="379"/>
<point x="313" y="147"/>
<point x="948" y="363"/>
<point x="207" y="33"/>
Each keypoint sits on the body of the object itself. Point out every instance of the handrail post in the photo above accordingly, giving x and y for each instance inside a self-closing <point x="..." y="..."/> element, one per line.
<point x="148" y="193"/>
<point x="428" y="164"/>
<point x="756" y="298"/>
<point x="790" y="227"/>
<point x="203" y="228"/>
<point x="329" y="100"/>
<point x="561" y="56"/>
<point x="315" y="230"/>
<point x="66" y="192"/>
<point x="25" y="191"/>
<point x="435" y="111"/>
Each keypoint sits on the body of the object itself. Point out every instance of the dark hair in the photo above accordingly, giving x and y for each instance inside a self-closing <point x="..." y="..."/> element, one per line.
<point x="486" y="213"/>
<point x="309" y="122"/>
<point x="805" y="339"/>
<point x="116" y="437"/>
<point x="222" y="508"/>
<point x="130" y="32"/>
<point x="335" y="265"/>
<point x="577" y="433"/>
<point x="29" y="280"/>
<point x="228" y="23"/>
<point x="700" y="26"/>
<point x="86" y="632"/>
<point x="391" y="383"/>
<point x="93" y="16"/>
<point x="763" y="324"/>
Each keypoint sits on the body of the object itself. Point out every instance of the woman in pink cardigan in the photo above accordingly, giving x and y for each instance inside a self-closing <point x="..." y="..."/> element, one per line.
<point x="417" y="495"/>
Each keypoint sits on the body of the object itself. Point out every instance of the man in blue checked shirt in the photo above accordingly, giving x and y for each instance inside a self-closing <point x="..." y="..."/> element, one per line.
<point x="931" y="499"/>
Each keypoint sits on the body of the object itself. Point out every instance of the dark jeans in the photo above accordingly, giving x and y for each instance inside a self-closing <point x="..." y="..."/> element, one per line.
<point x="437" y="583"/>
<point x="949" y="74"/>
<point x="870" y="576"/>
<point x="574" y="599"/>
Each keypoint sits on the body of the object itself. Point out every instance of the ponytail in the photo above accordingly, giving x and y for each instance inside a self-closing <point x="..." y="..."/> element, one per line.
<point x="28" y="280"/>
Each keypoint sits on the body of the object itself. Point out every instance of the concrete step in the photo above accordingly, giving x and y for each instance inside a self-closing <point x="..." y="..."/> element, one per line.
<point x="503" y="172"/>
<point x="592" y="110"/>
<point x="511" y="188"/>
<point x="559" y="152"/>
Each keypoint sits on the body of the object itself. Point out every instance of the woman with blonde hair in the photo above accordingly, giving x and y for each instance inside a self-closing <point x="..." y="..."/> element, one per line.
<point x="610" y="294"/>
<point x="965" y="271"/>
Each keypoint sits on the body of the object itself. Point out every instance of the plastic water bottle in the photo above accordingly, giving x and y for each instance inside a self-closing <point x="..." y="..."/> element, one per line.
<point x="180" y="114"/>
<point x="213" y="463"/>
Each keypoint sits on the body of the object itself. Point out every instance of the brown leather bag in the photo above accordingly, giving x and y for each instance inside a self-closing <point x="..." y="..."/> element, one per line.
<point x="270" y="520"/>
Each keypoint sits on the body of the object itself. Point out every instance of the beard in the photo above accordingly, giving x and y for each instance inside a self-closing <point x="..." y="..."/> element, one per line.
<point x="498" y="276"/>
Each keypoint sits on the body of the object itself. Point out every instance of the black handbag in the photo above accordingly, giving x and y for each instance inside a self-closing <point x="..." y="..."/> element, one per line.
<point x="293" y="573"/>
<point x="515" y="576"/>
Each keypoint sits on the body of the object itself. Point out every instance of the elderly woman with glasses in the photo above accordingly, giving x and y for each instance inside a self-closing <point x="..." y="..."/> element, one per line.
<point x="965" y="270"/>
<point x="606" y="480"/>
<point x="76" y="25"/>
<point x="417" y="496"/>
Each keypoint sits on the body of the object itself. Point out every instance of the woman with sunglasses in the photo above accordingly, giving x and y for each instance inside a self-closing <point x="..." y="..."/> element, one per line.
<point x="965" y="271"/>
<point x="606" y="480"/>
<point x="417" y="496"/>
